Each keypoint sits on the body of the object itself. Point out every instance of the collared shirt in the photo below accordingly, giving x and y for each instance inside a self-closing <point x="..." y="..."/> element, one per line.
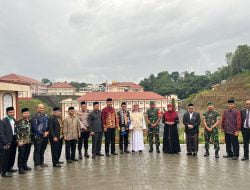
<point x="123" y="116"/>
<point x="137" y="121"/>
<point x="71" y="127"/>
<point x="95" y="121"/>
<point x="245" y="122"/>
<point x="109" y="118"/>
<point x="59" y="119"/>
<point x="12" y="123"/>
<point x="23" y="130"/>
<point x="211" y="117"/>
<point x="83" y="116"/>
<point x="39" y="123"/>
<point x="153" y="116"/>
<point x="191" y="115"/>
<point x="231" y="121"/>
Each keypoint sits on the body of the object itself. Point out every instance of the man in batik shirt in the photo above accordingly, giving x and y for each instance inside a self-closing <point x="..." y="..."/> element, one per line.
<point x="110" y="123"/>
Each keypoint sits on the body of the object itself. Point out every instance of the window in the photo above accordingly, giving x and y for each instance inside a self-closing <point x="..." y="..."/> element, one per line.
<point x="7" y="102"/>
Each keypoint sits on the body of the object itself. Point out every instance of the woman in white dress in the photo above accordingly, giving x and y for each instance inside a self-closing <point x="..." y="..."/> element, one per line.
<point x="137" y="127"/>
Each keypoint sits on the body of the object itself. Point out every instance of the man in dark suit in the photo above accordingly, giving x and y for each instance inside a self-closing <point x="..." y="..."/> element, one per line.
<point x="96" y="130"/>
<point x="39" y="126"/>
<point x="8" y="143"/>
<point x="56" y="135"/>
<point x="192" y="121"/>
<point x="245" y="129"/>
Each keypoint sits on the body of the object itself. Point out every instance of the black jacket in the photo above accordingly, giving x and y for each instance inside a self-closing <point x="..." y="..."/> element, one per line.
<point x="195" y="121"/>
<point x="243" y="114"/>
<point x="95" y="121"/>
<point x="54" y="127"/>
<point x="6" y="133"/>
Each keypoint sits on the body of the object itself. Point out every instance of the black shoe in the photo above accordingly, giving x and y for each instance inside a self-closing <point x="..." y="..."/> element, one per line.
<point x="189" y="153"/>
<point x="114" y="153"/>
<point x="93" y="156"/>
<point x="108" y="155"/>
<point x="194" y="154"/>
<point x="57" y="165"/>
<point x="227" y="156"/>
<point x="45" y="165"/>
<point x="140" y="151"/>
<point x="99" y="154"/>
<point x="133" y="151"/>
<point x="7" y="174"/>
<point x="75" y="160"/>
<point x="158" y="151"/>
<point x="150" y="149"/>
<point x="80" y="157"/>
<point x="27" y="168"/>
<point x="217" y="154"/>
<point x="244" y="158"/>
<point x="121" y="152"/>
<point x="126" y="151"/>
<point x="21" y="171"/>
<point x="206" y="154"/>
<point x="235" y="158"/>
<point x="86" y="155"/>
<point x="60" y="162"/>
<point x="69" y="161"/>
<point x="12" y="171"/>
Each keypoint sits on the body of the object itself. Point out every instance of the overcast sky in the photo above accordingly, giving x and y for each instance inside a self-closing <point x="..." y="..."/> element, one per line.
<point x="123" y="40"/>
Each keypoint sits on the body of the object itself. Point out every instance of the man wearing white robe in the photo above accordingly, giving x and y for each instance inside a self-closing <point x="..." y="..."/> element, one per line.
<point x="137" y="127"/>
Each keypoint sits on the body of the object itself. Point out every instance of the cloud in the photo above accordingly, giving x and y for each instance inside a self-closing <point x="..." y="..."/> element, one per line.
<point x="95" y="41"/>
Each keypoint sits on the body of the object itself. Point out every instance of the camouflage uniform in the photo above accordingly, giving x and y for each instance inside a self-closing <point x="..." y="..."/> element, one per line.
<point x="153" y="116"/>
<point x="211" y="118"/>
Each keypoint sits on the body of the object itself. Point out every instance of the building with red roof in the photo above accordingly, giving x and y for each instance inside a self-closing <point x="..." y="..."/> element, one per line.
<point x="61" y="88"/>
<point x="124" y="87"/>
<point x="36" y="87"/>
<point x="131" y="98"/>
<point x="9" y="92"/>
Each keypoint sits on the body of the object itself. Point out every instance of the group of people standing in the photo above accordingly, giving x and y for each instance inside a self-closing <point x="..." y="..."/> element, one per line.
<point x="78" y="126"/>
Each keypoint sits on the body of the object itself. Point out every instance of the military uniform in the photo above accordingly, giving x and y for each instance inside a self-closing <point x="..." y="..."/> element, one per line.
<point x="153" y="132"/>
<point x="211" y="118"/>
<point x="23" y="132"/>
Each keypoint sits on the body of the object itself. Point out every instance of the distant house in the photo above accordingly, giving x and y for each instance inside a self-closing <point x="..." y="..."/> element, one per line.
<point x="124" y="87"/>
<point x="131" y="98"/>
<point x="9" y="92"/>
<point x="92" y="88"/>
<point x="61" y="88"/>
<point x="36" y="87"/>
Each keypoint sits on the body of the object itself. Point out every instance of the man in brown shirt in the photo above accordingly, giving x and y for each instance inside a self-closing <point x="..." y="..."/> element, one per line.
<point x="72" y="132"/>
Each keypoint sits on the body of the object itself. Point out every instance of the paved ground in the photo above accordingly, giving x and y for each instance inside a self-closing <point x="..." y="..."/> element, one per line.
<point x="137" y="171"/>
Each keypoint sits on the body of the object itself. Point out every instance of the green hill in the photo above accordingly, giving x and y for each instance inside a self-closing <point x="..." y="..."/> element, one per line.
<point x="237" y="87"/>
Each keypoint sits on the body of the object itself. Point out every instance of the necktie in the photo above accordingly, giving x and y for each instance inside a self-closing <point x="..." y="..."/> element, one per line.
<point x="247" y="119"/>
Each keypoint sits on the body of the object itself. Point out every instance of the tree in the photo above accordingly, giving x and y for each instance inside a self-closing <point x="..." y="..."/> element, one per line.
<point x="175" y="76"/>
<point x="78" y="85"/>
<point x="241" y="59"/>
<point x="173" y="102"/>
<point x="46" y="81"/>
<point x="229" y="57"/>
